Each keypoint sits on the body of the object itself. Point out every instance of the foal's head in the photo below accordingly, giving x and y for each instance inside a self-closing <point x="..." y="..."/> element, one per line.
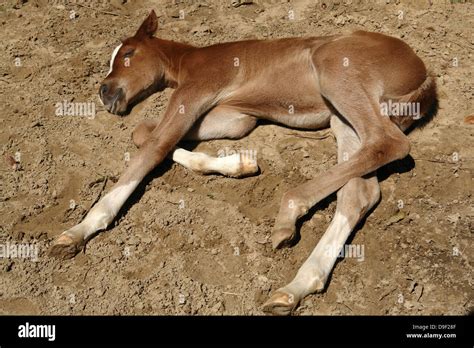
<point x="136" y="70"/>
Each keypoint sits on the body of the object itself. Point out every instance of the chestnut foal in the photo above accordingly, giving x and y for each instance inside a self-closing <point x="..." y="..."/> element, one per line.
<point x="339" y="81"/>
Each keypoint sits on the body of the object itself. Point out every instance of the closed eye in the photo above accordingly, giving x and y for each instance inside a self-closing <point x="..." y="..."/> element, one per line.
<point x="129" y="53"/>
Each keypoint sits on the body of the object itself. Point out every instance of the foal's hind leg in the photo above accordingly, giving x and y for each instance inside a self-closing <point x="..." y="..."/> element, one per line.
<point x="354" y="200"/>
<point x="221" y="122"/>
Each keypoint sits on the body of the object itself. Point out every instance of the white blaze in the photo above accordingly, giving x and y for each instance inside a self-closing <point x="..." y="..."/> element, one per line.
<point x="114" y="53"/>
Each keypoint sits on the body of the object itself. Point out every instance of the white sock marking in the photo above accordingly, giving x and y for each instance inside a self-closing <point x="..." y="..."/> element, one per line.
<point x="102" y="214"/>
<point x="321" y="261"/>
<point x="200" y="162"/>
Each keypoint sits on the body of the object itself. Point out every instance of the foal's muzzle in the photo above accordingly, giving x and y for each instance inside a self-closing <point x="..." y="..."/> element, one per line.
<point x="111" y="97"/>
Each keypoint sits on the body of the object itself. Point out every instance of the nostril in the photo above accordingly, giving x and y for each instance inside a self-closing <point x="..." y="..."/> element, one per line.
<point x="103" y="89"/>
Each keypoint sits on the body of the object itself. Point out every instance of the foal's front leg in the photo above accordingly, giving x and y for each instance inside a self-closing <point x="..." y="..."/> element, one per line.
<point x="221" y="122"/>
<point x="176" y="122"/>
<point x="70" y="242"/>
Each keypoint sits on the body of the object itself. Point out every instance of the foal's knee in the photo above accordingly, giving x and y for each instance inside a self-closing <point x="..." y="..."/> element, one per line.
<point x="388" y="149"/>
<point x="142" y="131"/>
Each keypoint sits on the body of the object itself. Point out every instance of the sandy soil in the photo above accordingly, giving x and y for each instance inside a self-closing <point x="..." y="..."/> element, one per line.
<point x="191" y="244"/>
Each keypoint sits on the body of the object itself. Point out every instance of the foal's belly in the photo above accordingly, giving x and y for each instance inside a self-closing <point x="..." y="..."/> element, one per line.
<point x="302" y="111"/>
<point x="316" y="119"/>
<point x="290" y="101"/>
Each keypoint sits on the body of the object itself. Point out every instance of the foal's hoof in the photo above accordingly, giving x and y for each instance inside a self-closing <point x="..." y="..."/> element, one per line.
<point x="282" y="237"/>
<point x="247" y="166"/>
<point x="281" y="303"/>
<point x="66" y="247"/>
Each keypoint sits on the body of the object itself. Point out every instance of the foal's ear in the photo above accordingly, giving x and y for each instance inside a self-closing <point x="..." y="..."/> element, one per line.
<point x="149" y="26"/>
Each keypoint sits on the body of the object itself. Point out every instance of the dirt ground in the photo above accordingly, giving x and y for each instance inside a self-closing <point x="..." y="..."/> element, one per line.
<point x="192" y="244"/>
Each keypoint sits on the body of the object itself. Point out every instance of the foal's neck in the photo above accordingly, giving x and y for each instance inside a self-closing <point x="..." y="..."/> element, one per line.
<point x="171" y="53"/>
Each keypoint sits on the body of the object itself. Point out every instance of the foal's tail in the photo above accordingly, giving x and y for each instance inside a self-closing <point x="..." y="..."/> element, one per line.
<point x="425" y="101"/>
